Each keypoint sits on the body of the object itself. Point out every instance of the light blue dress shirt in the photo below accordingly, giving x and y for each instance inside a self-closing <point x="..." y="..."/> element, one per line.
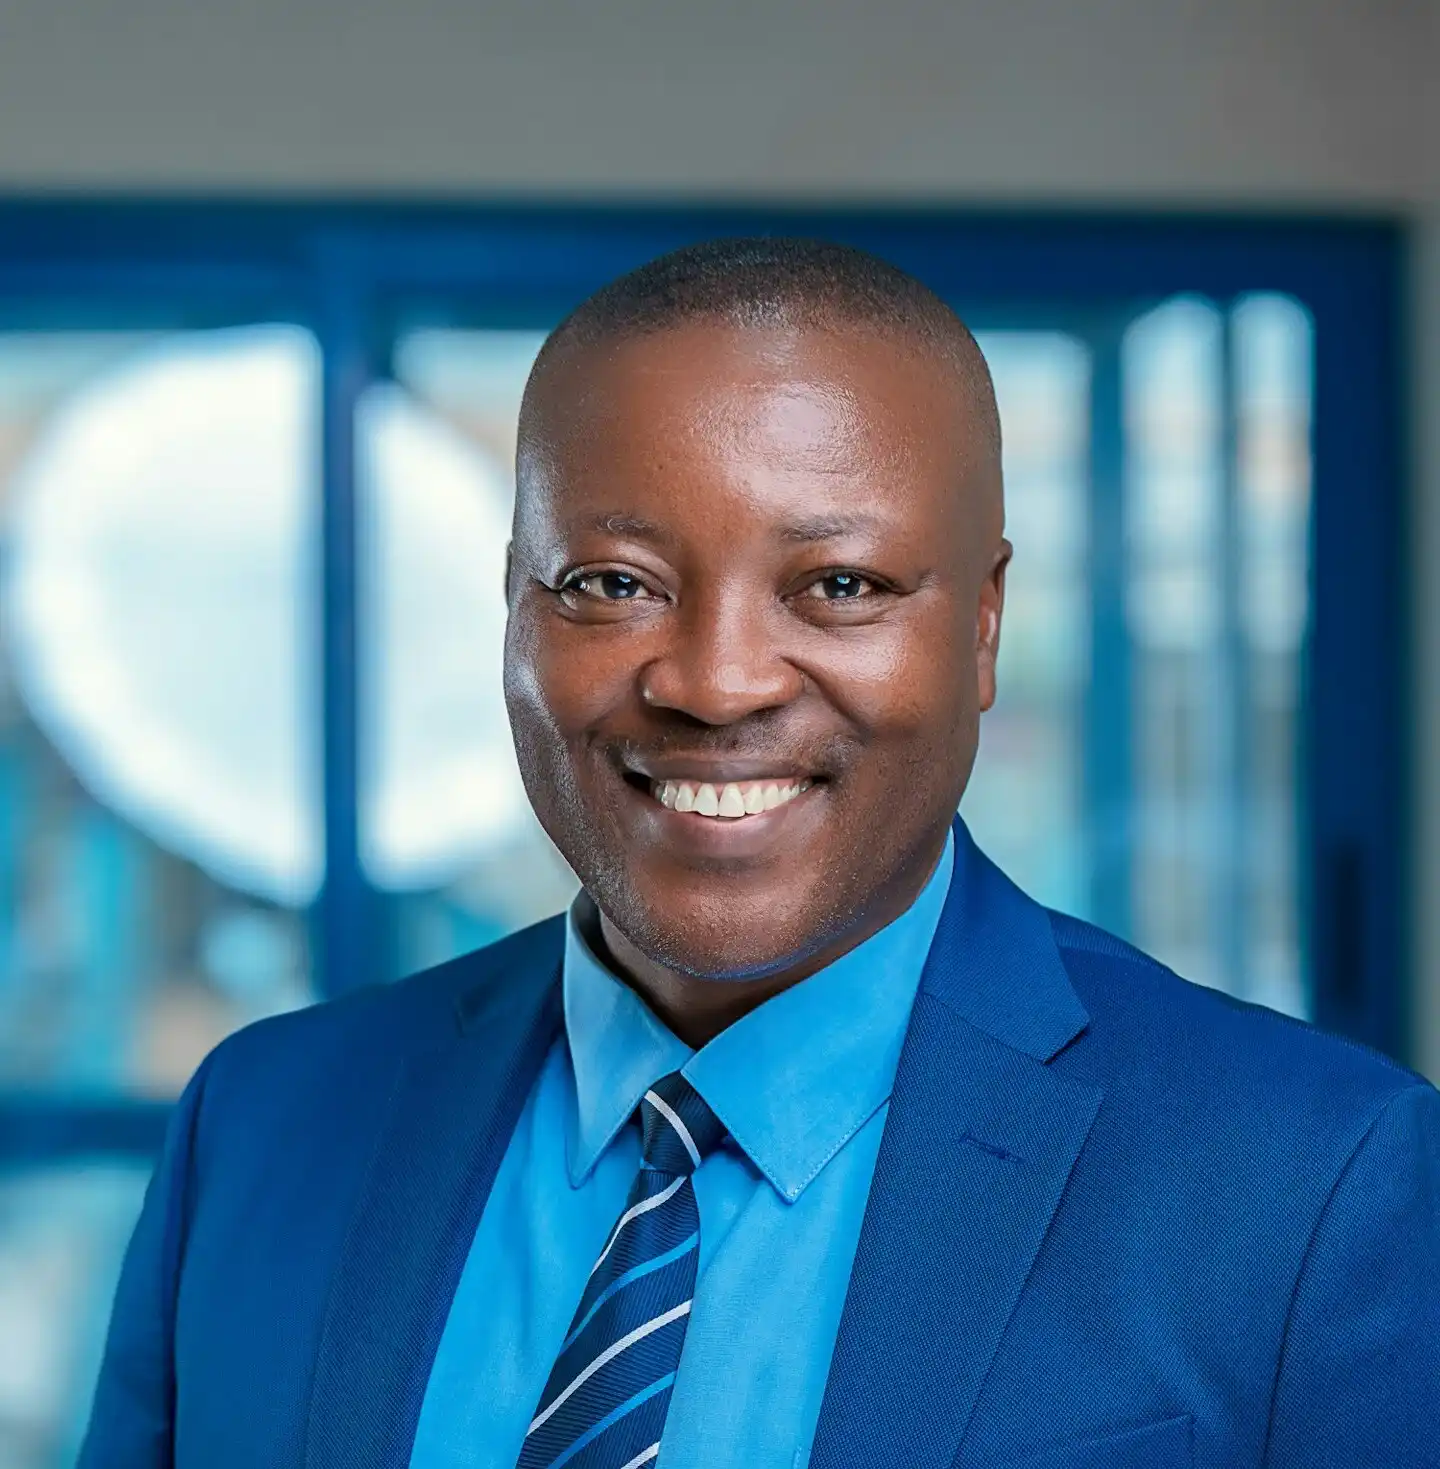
<point x="802" y="1084"/>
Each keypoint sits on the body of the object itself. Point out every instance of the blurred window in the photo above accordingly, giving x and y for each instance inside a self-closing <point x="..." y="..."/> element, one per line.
<point x="159" y="830"/>
<point x="63" y="1233"/>
<point x="445" y="827"/>
<point x="1026" y="799"/>
<point x="1217" y="416"/>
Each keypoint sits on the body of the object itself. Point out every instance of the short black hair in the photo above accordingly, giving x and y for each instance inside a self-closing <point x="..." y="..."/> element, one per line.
<point x="773" y="282"/>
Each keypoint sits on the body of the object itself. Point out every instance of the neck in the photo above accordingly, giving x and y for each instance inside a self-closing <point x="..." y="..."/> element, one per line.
<point x="697" y="1010"/>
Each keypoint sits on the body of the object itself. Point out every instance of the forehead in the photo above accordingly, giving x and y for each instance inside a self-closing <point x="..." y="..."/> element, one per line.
<point x="828" y="410"/>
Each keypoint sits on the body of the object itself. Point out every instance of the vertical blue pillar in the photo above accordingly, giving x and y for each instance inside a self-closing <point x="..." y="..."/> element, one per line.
<point x="346" y="920"/>
<point x="1232" y="892"/>
<point x="1109" y="715"/>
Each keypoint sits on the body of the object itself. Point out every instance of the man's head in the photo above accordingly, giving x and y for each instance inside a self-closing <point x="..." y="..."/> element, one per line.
<point x="758" y="549"/>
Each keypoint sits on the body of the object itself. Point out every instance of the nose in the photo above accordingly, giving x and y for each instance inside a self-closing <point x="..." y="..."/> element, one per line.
<point x="723" y="661"/>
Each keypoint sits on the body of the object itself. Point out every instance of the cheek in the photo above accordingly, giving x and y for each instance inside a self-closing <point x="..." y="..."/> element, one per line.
<point x="902" y="684"/>
<point x="560" y="676"/>
<point x="551" y="702"/>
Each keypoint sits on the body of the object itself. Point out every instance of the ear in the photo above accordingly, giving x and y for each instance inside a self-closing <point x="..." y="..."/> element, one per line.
<point x="987" y="624"/>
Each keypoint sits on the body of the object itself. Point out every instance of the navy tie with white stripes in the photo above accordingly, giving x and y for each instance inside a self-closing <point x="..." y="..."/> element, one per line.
<point x="604" y="1405"/>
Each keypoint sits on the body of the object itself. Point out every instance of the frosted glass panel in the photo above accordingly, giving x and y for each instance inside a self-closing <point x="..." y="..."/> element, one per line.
<point x="63" y="1233"/>
<point x="159" y="811"/>
<point x="159" y="814"/>
<point x="1025" y="804"/>
<point x="1218" y="516"/>
<point x="444" y="822"/>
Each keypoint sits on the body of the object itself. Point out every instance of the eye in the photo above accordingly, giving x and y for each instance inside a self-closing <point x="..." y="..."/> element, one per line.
<point x="841" y="586"/>
<point x="603" y="586"/>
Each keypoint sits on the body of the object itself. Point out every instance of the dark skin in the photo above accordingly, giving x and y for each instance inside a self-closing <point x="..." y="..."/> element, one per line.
<point x="739" y="554"/>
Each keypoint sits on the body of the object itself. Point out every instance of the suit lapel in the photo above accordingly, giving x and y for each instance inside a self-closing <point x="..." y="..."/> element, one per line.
<point x="450" y="1117"/>
<point x="979" y="1142"/>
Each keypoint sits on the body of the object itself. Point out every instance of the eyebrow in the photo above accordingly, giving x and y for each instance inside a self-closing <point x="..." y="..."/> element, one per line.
<point x="800" y="532"/>
<point x="616" y="524"/>
<point x="828" y="527"/>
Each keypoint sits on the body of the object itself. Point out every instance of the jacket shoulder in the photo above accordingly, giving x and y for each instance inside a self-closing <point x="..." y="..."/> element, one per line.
<point x="1150" y="1024"/>
<point x="383" y="1020"/>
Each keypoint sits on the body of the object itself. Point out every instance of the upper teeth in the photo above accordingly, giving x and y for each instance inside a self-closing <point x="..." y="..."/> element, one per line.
<point x="738" y="798"/>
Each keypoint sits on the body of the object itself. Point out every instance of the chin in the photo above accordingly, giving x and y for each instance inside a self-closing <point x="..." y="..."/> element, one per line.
<point x="712" y="940"/>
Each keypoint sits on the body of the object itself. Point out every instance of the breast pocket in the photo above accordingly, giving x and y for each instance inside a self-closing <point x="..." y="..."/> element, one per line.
<point x="1165" y="1445"/>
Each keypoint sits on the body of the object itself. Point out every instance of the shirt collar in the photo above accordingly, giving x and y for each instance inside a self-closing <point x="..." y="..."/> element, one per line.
<point x="792" y="1081"/>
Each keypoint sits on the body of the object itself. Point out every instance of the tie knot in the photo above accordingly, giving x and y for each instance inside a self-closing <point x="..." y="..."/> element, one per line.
<point x="679" y="1129"/>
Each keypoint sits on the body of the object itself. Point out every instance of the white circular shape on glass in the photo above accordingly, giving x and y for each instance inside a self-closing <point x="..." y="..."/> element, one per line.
<point x="439" y="783"/>
<point x="162" y="611"/>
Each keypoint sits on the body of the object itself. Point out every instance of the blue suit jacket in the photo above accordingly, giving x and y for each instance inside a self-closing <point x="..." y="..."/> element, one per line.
<point x="1117" y="1220"/>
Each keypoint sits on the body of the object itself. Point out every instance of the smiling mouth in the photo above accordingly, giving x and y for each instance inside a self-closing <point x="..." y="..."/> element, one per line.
<point x="730" y="801"/>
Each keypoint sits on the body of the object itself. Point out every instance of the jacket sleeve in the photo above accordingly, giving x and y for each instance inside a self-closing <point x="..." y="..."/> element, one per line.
<point x="1359" y="1375"/>
<point x="131" y="1420"/>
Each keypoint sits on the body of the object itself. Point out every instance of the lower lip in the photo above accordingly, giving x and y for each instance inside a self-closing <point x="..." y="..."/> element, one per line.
<point x="725" y="836"/>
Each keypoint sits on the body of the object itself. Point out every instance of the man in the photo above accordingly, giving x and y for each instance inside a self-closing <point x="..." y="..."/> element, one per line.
<point x="806" y="1138"/>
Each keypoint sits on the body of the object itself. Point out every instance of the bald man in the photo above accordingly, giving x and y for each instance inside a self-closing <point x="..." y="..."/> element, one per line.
<point x="804" y="1138"/>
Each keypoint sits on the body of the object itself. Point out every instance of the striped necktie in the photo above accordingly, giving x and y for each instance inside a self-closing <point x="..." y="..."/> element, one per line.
<point x="604" y="1405"/>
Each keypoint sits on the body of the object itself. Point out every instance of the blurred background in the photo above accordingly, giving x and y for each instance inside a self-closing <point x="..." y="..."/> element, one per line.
<point x="271" y="277"/>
